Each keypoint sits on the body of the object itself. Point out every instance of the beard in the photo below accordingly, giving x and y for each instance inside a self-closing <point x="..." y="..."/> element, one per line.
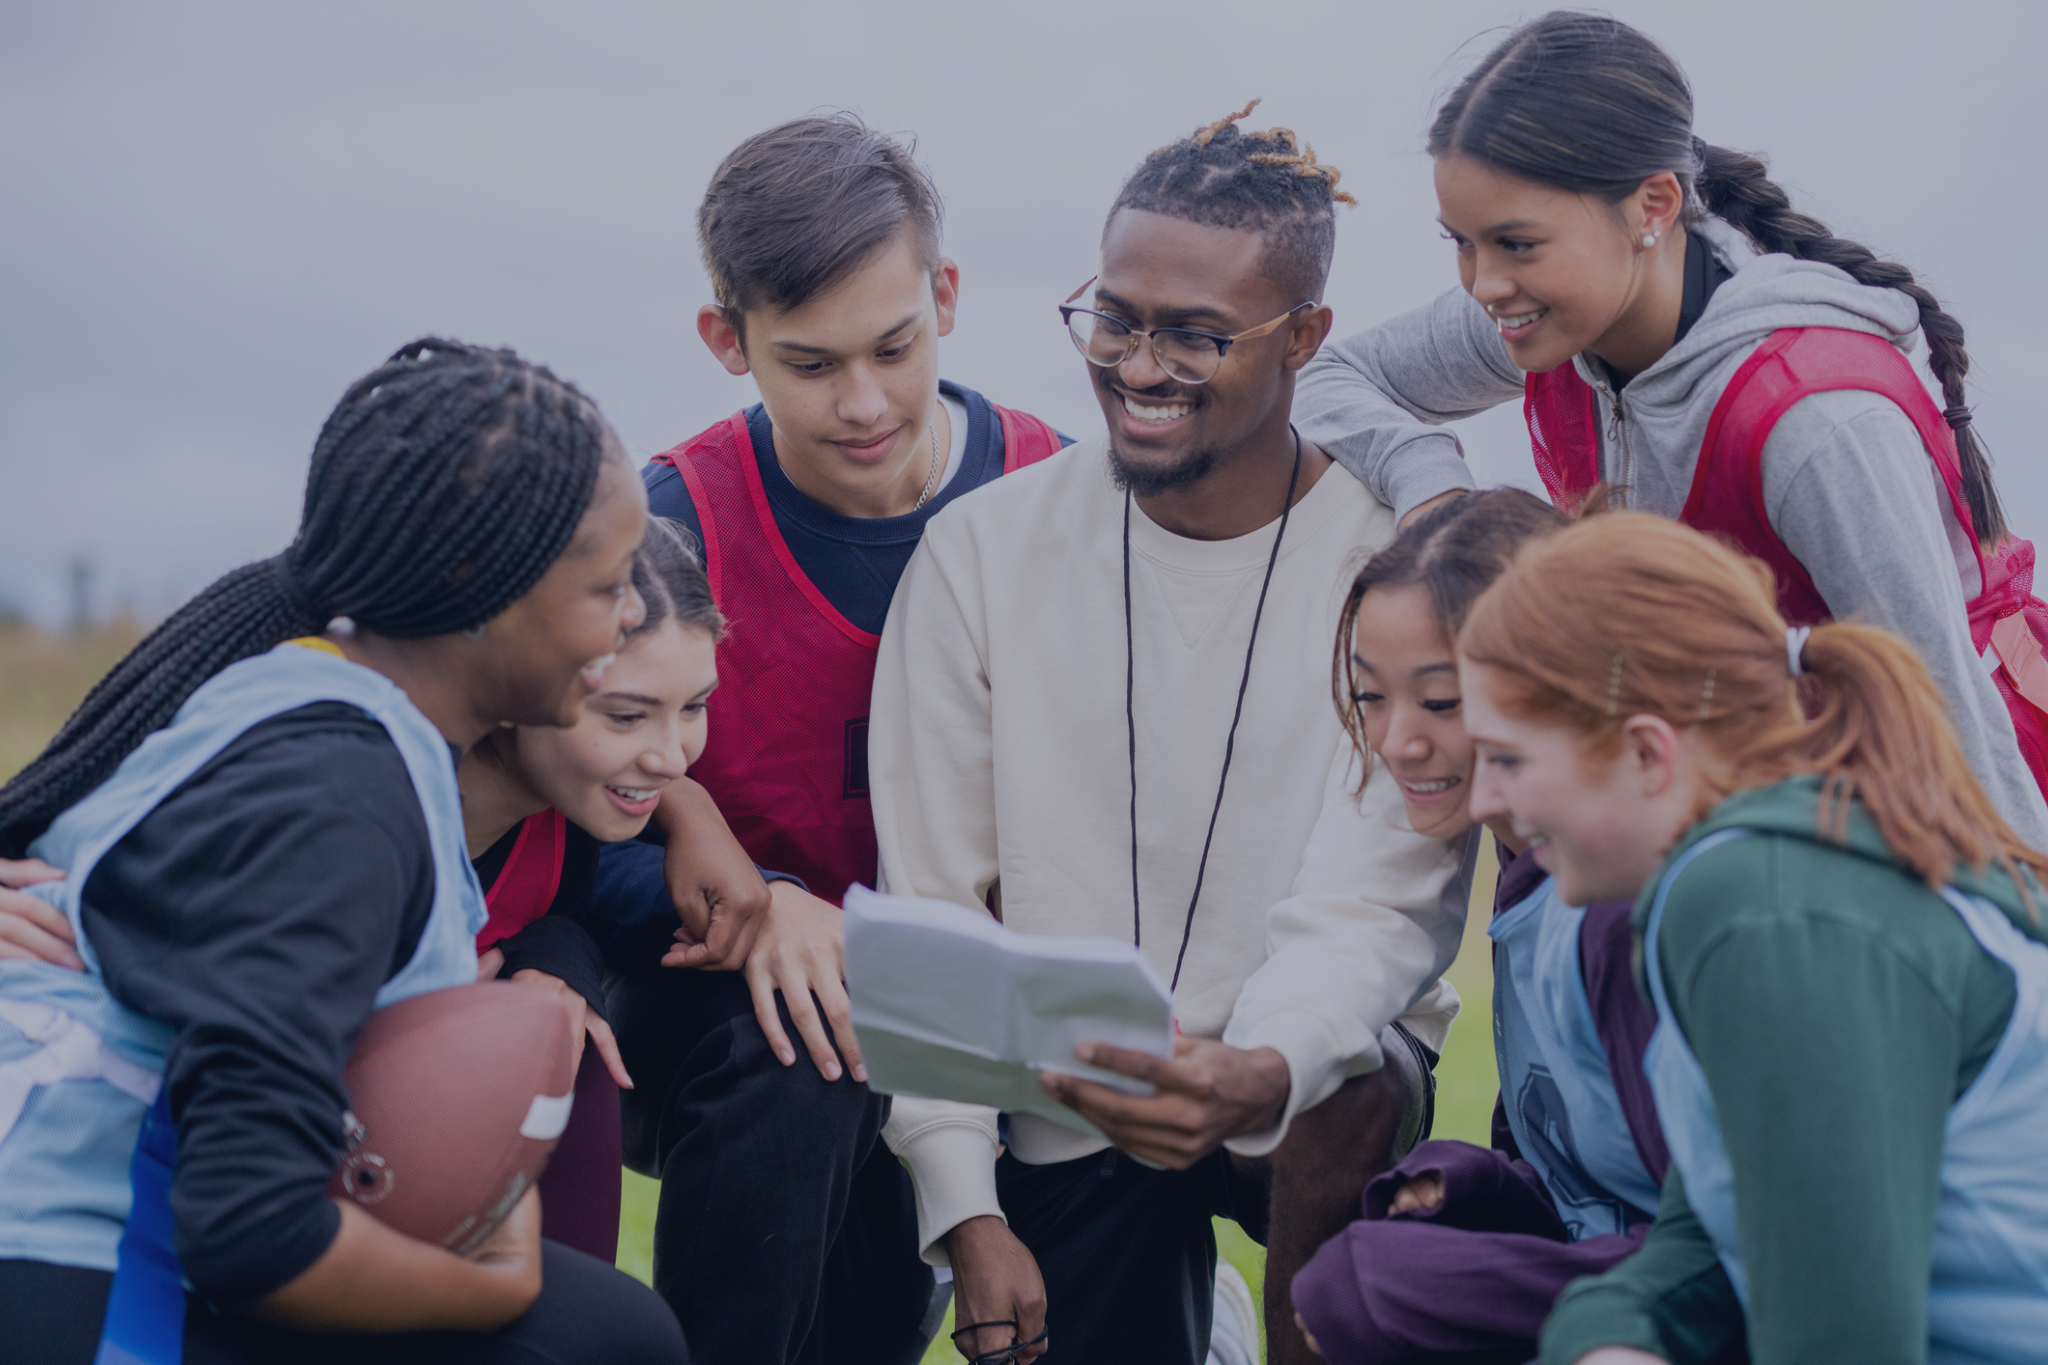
<point x="1191" y="468"/>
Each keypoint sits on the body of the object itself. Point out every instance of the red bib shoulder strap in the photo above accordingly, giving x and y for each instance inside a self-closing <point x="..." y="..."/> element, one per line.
<point x="1564" y="432"/>
<point x="532" y="874"/>
<point x="1727" y="497"/>
<point x="721" y="443"/>
<point x="1026" y="439"/>
<point x="1727" y="493"/>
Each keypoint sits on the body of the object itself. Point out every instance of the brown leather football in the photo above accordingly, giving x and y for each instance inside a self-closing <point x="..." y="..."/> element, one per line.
<point x="457" y="1098"/>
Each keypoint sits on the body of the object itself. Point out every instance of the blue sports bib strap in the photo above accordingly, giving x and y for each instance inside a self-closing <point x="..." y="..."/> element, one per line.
<point x="145" y="1322"/>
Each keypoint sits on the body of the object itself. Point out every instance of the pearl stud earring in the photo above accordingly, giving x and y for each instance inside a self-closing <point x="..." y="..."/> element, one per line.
<point x="1650" y="238"/>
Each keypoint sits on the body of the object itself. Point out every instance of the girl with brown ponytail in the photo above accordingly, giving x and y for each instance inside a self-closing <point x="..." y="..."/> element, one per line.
<point x="1677" y="330"/>
<point x="1843" y="940"/>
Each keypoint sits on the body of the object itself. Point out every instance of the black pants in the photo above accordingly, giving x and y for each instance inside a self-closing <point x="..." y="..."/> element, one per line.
<point x="587" y="1314"/>
<point x="786" y="1232"/>
<point x="1128" y="1253"/>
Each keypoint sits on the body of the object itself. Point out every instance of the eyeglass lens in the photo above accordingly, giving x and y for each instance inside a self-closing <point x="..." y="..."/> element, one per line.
<point x="1189" y="357"/>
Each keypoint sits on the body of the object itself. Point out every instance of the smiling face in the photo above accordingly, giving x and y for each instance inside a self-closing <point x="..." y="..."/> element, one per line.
<point x="641" y="730"/>
<point x="541" y="655"/>
<point x="1159" y="271"/>
<point x="1560" y="272"/>
<point x="1600" y="824"/>
<point x="1408" y="700"/>
<point x="850" y="378"/>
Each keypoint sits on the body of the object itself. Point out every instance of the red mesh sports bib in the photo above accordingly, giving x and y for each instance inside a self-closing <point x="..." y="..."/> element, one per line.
<point x="787" y="757"/>
<point x="1727" y="494"/>
<point x="526" y="885"/>
<point x="1563" y="432"/>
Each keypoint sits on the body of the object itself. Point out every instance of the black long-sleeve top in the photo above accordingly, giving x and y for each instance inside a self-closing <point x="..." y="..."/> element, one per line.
<point x="257" y="911"/>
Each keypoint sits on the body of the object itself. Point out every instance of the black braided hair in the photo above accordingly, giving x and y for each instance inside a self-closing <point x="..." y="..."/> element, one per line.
<point x="1587" y="104"/>
<point x="442" y="486"/>
<point x="1223" y="176"/>
<point x="668" y="572"/>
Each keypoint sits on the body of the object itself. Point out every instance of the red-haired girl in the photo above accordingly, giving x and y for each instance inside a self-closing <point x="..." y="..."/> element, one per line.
<point x="1842" y="938"/>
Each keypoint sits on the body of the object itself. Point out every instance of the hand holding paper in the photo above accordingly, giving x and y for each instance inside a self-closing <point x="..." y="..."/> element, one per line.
<point x="1206" y="1094"/>
<point x="949" y="1004"/>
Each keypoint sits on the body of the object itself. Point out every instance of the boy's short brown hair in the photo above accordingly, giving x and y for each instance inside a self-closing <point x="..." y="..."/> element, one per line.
<point x="794" y="211"/>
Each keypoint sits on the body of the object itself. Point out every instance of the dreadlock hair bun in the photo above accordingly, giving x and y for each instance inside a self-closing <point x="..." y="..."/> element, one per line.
<point x="442" y="486"/>
<point x="1224" y="176"/>
<point x="1584" y="103"/>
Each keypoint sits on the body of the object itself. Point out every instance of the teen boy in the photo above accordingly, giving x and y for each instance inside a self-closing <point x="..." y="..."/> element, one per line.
<point x="786" y="1230"/>
<point x="1104" y="690"/>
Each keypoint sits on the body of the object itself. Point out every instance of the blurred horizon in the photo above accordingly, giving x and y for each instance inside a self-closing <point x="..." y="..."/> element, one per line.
<point x="220" y="214"/>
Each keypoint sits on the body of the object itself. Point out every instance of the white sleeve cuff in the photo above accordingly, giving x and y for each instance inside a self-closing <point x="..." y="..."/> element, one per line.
<point x="1429" y="1018"/>
<point x="950" y="1151"/>
<point x="1316" y="1066"/>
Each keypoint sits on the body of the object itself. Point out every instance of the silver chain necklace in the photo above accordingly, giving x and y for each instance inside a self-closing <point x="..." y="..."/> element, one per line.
<point x="932" y="481"/>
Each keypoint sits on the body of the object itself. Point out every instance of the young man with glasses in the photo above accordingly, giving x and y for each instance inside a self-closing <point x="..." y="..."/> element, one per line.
<point x="1103" y="707"/>
<point x="785" y="1231"/>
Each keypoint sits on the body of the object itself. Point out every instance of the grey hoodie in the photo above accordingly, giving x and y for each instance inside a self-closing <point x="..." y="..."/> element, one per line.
<point x="1847" y="484"/>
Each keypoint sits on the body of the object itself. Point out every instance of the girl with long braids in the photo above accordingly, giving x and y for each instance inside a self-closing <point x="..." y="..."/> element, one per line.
<point x="1464" y="1249"/>
<point x="258" y="815"/>
<point x="1677" y="330"/>
<point x="540" y="803"/>
<point x="1843" y="940"/>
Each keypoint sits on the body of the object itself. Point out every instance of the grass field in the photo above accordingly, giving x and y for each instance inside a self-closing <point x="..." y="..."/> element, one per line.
<point x="43" y="676"/>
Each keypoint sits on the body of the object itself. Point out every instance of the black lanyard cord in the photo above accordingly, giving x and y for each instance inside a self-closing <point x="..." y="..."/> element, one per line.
<point x="1230" y="740"/>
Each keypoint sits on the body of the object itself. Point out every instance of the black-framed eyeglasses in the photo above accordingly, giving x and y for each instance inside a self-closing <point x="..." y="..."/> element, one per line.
<point x="1191" y="356"/>
<point x="1002" y="1355"/>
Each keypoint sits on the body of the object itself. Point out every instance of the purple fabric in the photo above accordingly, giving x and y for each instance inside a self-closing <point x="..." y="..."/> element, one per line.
<point x="1519" y="876"/>
<point x="1484" y="1191"/>
<point x="1386" y="1290"/>
<point x="579" y="1190"/>
<point x="1472" y="1279"/>
<point x="1624" y="1021"/>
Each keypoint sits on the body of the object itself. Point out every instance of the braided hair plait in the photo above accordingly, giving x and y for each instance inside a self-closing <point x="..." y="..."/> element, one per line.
<point x="442" y="487"/>
<point x="1736" y="187"/>
<point x="1271" y="182"/>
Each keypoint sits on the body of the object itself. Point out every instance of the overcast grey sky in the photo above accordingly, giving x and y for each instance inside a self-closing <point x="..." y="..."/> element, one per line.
<point x="213" y="216"/>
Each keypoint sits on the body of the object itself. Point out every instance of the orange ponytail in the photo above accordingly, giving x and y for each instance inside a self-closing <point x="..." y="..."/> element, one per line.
<point x="1627" y="613"/>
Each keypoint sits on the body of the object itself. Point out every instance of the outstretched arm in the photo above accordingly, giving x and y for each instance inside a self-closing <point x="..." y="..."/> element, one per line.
<point x="1375" y="400"/>
<point x="717" y="890"/>
<point x="1671" y="1300"/>
<point x="1374" y="918"/>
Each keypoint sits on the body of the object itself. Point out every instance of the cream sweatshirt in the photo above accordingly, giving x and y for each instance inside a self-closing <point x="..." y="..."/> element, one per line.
<point x="998" y="757"/>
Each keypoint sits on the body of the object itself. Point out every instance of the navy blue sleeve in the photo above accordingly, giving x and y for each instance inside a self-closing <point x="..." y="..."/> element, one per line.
<point x="668" y="496"/>
<point x="563" y="949"/>
<point x="631" y="918"/>
<point x="257" y="911"/>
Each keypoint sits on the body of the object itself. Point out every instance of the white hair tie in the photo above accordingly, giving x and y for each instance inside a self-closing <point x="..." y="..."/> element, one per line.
<point x="1795" y="649"/>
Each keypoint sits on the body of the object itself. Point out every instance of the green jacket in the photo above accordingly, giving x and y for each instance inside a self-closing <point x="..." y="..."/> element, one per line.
<point x="1838" y="1008"/>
